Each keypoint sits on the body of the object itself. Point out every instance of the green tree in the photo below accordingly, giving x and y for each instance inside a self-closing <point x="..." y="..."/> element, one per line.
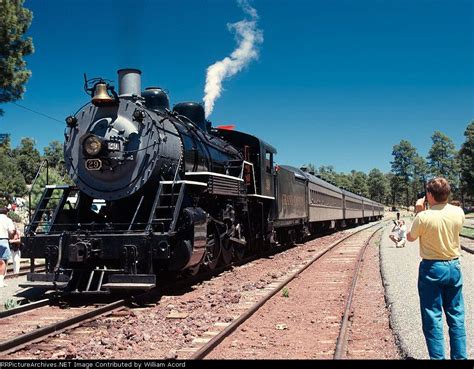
<point x="442" y="159"/>
<point x="402" y="166"/>
<point x="378" y="185"/>
<point x="327" y="173"/>
<point x="15" y="20"/>
<point x="28" y="159"/>
<point x="343" y="180"/>
<point x="54" y="177"/>
<point x="54" y="154"/>
<point x="389" y="197"/>
<point x="466" y="161"/>
<point x="11" y="180"/>
<point x="420" y="174"/>
<point x="359" y="183"/>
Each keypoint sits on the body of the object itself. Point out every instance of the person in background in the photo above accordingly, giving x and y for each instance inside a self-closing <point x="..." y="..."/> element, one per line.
<point x="401" y="239"/>
<point x="7" y="231"/>
<point x="439" y="277"/>
<point x="15" y="243"/>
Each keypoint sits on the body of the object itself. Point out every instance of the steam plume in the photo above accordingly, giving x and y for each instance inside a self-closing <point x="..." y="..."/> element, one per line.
<point x="248" y="37"/>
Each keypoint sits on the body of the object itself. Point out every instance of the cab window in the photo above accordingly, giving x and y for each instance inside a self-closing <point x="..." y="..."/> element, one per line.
<point x="268" y="162"/>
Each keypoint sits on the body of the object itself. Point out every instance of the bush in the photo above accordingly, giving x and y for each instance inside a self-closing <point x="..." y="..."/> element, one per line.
<point x="10" y="304"/>
<point x="14" y="216"/>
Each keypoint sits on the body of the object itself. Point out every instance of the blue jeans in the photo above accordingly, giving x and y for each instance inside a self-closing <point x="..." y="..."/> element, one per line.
<point x="440" y="288"/>
<point x="5" y="253"/>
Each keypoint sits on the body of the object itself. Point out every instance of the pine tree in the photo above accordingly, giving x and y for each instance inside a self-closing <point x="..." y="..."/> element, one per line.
<point x="11" y="180"/>
<point x="54" y="154"/>
<point x="466" y="161"/>
<point x="378" y="185"/>
<point x="15" y="20"/>
<point x="420" y="174"/>
<point x="359" y="183"/>
<point x="403" y="167"/>
<point x="28" y="159"/>
<point x="442" y="159"/>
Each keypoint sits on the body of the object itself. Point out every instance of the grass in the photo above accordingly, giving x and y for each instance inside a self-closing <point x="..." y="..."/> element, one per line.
<point x="11" y="304"/>
<point x="285" y="292"/>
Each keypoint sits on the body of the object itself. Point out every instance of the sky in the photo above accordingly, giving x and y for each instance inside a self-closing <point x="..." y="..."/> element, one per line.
<point x="336" y="82"/>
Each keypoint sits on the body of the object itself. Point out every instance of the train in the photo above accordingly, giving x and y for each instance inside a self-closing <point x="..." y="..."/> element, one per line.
<point x="176" y="195"/>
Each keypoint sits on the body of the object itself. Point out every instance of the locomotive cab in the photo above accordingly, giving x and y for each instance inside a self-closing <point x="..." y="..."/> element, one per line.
<point x="258" y="152"/>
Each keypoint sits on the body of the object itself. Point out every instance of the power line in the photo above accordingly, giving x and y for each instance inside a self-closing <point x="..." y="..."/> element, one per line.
<point x="37" y="112"/>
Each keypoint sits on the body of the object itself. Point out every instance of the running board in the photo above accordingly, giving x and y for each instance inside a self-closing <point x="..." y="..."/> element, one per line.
<point x="44" y="285"/>
<point x="130" y="282"/>
<point x="47" y="281"/>
<point x="128" y="286"/>
<point x="114" y="282"/>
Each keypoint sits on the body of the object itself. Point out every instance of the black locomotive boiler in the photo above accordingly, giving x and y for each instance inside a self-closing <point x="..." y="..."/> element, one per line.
<point x="176" y="195"/>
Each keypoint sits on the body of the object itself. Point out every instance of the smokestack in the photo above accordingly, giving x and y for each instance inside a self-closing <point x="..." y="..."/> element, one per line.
<point x="130" y="82"/>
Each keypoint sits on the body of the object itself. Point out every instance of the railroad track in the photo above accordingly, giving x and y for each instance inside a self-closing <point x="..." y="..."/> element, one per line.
<point x="330" y="252"/>
<point x="41" y="319"/>
<point x="36" y="329"/>
<point x="45" y="318"/>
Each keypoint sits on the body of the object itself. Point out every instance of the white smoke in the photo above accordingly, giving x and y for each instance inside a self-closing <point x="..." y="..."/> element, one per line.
<point x="248" y="38"/>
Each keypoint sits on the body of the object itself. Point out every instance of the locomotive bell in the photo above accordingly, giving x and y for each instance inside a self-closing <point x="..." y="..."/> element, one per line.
<point x="100" y="95"/>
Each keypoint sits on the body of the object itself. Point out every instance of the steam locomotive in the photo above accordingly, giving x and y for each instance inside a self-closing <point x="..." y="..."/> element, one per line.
<point x="176" y="194"/>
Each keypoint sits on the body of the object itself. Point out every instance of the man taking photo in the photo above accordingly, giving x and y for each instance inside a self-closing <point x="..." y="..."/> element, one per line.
<point x="440" y="278"/>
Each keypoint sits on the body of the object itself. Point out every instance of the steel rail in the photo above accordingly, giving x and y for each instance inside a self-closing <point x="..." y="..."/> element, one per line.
<point x="25" y="307"/>
<point x="216" y="340"/>
<point x="342" y="337"/>
<point x="16" y="343"/>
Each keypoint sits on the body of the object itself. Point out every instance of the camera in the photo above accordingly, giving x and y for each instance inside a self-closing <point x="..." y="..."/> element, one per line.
<point x="421" y="195"/>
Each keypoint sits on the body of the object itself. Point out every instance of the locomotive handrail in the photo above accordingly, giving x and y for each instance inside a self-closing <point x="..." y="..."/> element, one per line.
<point x="136" y="212"/>
<point x="177" y="170"/>
<point x="244" y="162"/>
<point x="43" y="163"/>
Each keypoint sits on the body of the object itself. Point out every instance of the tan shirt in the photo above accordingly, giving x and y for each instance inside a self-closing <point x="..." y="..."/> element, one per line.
<point x="438" y="229"/>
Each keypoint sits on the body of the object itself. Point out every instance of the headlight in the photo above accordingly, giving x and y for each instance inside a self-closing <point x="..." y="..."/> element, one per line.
<point x="92" y="145"/>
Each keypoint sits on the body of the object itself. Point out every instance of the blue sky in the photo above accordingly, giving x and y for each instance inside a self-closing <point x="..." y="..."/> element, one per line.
<point x="336" y="83"/>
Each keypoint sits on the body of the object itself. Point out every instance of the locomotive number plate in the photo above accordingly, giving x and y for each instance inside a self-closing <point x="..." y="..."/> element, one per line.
<point x="93" y="164"/>
<point x="113" y="146"/>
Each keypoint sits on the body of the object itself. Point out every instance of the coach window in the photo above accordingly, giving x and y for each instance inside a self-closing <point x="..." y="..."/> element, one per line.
<point x="268" y="162"/>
